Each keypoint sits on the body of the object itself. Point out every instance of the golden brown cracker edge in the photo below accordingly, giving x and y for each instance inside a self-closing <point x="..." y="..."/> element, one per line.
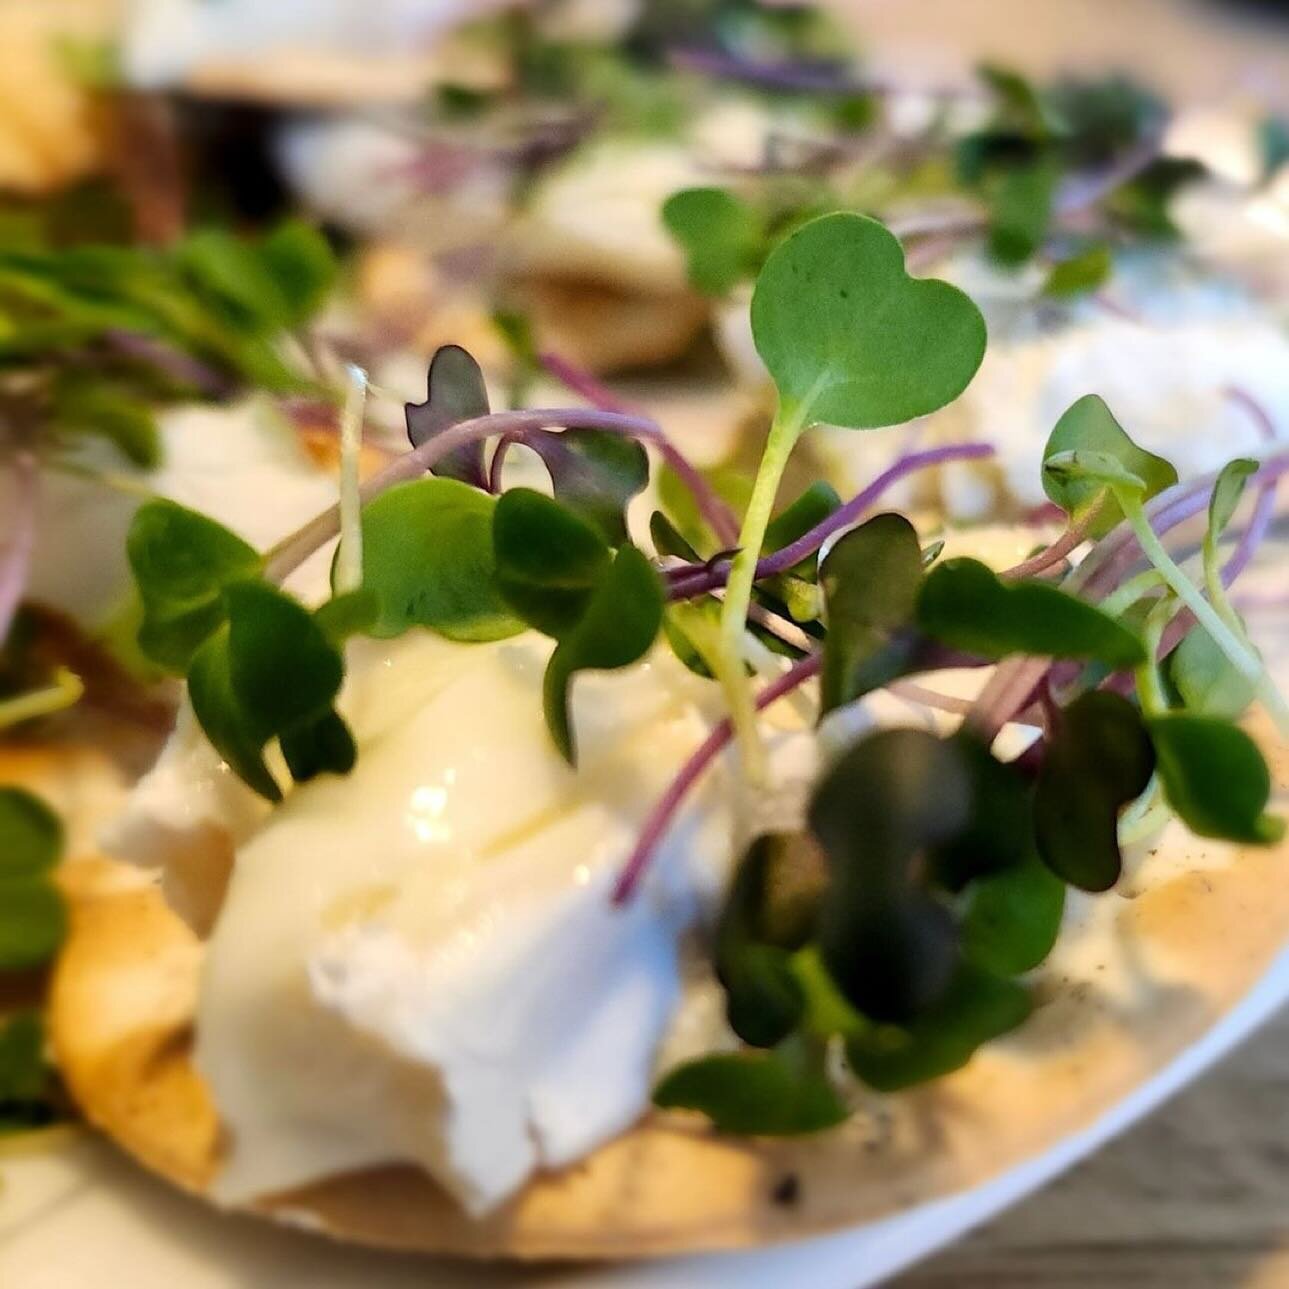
<point x="121" y="1022"/>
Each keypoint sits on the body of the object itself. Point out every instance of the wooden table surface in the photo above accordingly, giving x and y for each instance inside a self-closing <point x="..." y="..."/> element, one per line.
<point x="1196" y="1197"/>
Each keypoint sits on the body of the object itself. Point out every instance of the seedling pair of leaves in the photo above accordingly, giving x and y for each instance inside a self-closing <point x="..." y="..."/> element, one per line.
<point x="593" y="473"/>
<point x="485" y="568"/>
<point x="259" y="666"/>
<point x="1212" y="773"/>
<point x="897" y="924"/>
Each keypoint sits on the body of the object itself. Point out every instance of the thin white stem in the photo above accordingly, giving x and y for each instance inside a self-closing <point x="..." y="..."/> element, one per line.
<point x="349" y="556"/>
<point x="1242" y="658"/>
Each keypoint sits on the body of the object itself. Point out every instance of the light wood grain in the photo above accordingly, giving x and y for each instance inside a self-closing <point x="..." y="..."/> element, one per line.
<point x="1197" y="1197"/>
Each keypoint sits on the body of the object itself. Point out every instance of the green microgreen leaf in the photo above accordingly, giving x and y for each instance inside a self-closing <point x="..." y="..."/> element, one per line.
<point x="692" y="629"/>
<point x="966" y="605"/>
<point x="753" y="1094"/>
<point x="33" y="922"/>
<point x="1020" y="201"/>
<point x="33" y="919"/>
<point x="1215" y="777"/>
<point x="722" y="236"/>
<point x="26" y="1079"/>
<point x="1098" y="759"/>
<point x="353" y="614"/>
<point x="887" y="941"/>
<point x="1223" y="503"/>
<point x="1089" y="431"/>
<point x="997" y="832"/>
<point x="1206" y="680"/>
<point x="769" y="912"/>
<point x="428" y="561"/>
<point x="303" y="266"/>
<point x="222" y="718"/>
<point x="849" y="338"/>
<point x="31" y="835"/>
<point x="1087" y="271"/>
<point x="455" y="392"/>
<point x="182" y="561"/>
<point x="870" y="580"/>
<point x="620" y="622"/>
<point x="1011" y="918"/>
<point x="1227" y="491"/>
<point x="548" y="560"/>
<point x="108" y="411"/>
<point x="271" y="671"/>
<point x="668" y="540"/>
<point x="975" y="1008"/>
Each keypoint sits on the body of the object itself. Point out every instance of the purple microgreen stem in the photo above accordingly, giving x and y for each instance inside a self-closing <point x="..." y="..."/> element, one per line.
<point x="284" y="558"/>
<point x="15" y="558"/>
<point x="173" y="363"/>
<point x="718" y="515"/>
<point x="661" y="816"/>
<point x="1056" y="553"/>
<point x="1256" y="410"/>
<point x="691" y="580"/>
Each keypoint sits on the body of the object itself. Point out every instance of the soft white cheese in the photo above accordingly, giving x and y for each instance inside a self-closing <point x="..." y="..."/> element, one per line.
<point x="420" y="961"/>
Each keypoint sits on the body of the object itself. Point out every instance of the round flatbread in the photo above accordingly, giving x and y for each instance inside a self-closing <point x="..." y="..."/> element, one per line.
<point x="1140" y="975"/>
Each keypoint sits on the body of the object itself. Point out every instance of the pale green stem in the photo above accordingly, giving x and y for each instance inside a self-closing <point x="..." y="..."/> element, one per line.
<point x="1121" y="600"/>
<point x="783" y="436"/>
<point x="1150" y="684"/>
<point x="65" y="692"/>
<point x="1242" y="658"/>
<point x="349" y="555"/>
<point x="1148" y="814"/>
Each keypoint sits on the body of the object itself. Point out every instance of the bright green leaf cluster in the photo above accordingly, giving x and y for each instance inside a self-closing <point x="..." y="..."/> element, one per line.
<point x="557" y="573"/>
<point x="32" y="917"/>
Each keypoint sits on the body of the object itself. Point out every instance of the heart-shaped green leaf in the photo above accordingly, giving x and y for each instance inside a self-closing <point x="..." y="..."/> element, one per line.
<point x="1099" y="759"/>
<point x="976" y="1008"/>
<point x="31" y="834"/>
<point x="1215" y="778"/>
<point x="769" y="912"/>
<point x="966" y="605"/>
<point x="1011" y="918"/>
<point x="620" y="622"/>
<point x="182" y="562"/>
<point x="849" y="338"/>
<point x="887" y="941"/>
<point x="870" y="580"/>
<point x="549" y="560"/>
<point x="428" y="560"/>
<point x="721" y="235"/>
<point x="753" y="1094"/>
<point x="1078" y="483"/>
<point x="1206" y="680"/>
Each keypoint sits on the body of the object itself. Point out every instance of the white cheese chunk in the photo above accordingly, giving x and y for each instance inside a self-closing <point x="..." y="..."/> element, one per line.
<point x="421" y="961"/>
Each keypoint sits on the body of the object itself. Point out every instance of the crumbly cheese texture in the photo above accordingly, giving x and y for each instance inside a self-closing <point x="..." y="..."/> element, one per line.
<point x="421" y="961"/>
